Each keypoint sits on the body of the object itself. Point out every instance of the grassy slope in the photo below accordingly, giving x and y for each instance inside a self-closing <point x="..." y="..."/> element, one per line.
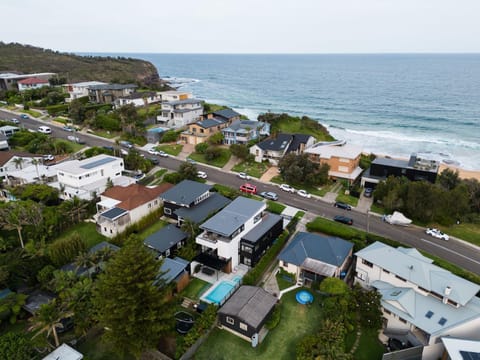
<point x="29" y="59"/>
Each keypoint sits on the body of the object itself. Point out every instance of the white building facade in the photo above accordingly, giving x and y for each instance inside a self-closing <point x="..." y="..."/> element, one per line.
<point x="177" y="114"/>
<point x="78" y="90"/>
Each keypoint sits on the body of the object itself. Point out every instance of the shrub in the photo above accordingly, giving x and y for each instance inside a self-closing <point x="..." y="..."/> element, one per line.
<point x="65" y="250"/>
<point x="170" y="136"/>
<point x="212" y="153"/>
<point x="274" y="318"/>
<point x="172" y="178"/>
<point x="55" y="110"/>
<point x="140" y="225"/>
<point x="275" y="207"/>
<point x="201" y="148"/>
<point x="226" y="191"/>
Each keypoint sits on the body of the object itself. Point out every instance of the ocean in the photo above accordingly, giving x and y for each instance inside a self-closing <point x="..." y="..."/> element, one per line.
<point x="393" y="104"/>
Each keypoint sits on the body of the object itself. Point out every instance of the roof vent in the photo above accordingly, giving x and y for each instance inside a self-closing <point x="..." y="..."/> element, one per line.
<point x="448" y="290"/>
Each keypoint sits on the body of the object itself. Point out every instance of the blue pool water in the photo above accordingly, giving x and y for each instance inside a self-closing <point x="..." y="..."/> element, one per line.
<point x="220" y="292"/>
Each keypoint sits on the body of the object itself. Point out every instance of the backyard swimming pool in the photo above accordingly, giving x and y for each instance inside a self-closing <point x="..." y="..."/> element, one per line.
<point x="223" y="290"/>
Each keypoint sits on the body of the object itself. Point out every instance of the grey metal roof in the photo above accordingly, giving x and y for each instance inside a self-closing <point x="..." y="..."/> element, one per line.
<point x="95" y="163"/>
<point x="139" y="95"/>
<point x="390" y="162"/>
<point x="419" y="270"/>
<point x="243" y="124"/>
<point x="171" y="268"/>
<point x="280" y="143"/>
<point x="233" y="216"/>
<point x="226" y="113"/>
<point x="112" y="87"/>
<point x="201" y="211"/>
<point x="185" y="101"/>
<point x="326" y="249"/>
<point x="103" y="245"/>
<point x="265" y="225"/>
<point x="165" y="238"/>
<point x="298" y="139"/>
<point x="185" y="192"/>
<point x="208" y="123"/>
<point x="250" y="304"/>
<point x="113" y="213"/>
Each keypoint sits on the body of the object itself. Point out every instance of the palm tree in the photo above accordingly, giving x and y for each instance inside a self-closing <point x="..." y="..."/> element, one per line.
<point x="76" y="209"/>
<point x="17" y="214"/>
<point x="48" y="319"/>
<point x="84" y="260"/>
<point x="36" y="162"/>
<point x="18" y="161"/>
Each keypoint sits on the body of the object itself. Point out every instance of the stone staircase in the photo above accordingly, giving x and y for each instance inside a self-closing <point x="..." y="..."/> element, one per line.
<point x="187" y="303"/>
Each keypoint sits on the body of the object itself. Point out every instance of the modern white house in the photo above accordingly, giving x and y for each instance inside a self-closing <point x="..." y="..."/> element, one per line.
<point x="220" y="239"/>
<point x="121" y="206"/>
<point x="243" y="131"/>
<point x="138" y="99"/>
<point x="80" y="89"/>
<point x="178" y="113"/>
<point x="174" y="95"/>
<point x="421" y="302"/>
<point x="4" y="142"/>
<point x="32" y="83"/>
<point x="14" y="161"/>
<point x="87" y="178"/>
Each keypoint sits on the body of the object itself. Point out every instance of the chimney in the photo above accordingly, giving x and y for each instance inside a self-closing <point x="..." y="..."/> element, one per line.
<point x="447" y="292"/>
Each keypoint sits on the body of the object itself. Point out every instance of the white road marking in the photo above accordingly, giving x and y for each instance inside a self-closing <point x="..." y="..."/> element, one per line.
<point x="453" y="252"/>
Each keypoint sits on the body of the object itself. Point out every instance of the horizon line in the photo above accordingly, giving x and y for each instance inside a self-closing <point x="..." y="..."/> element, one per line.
<point x="276" y="53"/>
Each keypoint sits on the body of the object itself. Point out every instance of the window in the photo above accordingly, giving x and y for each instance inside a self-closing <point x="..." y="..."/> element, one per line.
<point x="400" y="278"/>
<point x="285" y="264"/>
<point x="167" y="252"/>
<point x="402" y="320"/>
<point x="155" y="202"/>
<point x="167" y="211"/>
<point x="387" y="311"/>
<point x="367" y="263"/>
<point x="386" y="271"/>
<point x="179" y="245"/>
<point x="149" y="205"/>
<point x="247" y="261"/>
<point x="243" y="326"/>
<point x="230" y="320"/>
<point x="247" y="249"/>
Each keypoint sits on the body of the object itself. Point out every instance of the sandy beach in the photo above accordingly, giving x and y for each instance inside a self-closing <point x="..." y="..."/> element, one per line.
<point x="464" y="174"/>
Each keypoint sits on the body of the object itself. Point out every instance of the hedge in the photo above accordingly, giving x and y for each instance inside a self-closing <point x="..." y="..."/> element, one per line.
<point x="140" y="225"/>
<point x="57" y="109"/>
<point x="275" y="207"/>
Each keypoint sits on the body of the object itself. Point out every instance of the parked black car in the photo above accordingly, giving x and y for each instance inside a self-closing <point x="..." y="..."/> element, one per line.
<point x="342" y="205"/>
<point x="343" y="219"/>
<point x="368" y="192"/>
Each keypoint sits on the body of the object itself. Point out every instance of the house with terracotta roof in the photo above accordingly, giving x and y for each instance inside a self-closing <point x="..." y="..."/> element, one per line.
<point x="421" y="302"/>
<point x="275" y="148"/>
<point x="32" y="83"/>
<point x="121" y="206"/>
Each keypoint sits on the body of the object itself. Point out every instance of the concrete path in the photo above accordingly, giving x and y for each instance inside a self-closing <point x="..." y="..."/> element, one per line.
<point x="269" y="174"/>
<point x="231" y="163"/>
<point x="270" y="284"/>
<point x="296" y="286"/>
<point x="330" y="196"/>
<point x="364" y="204"/>
<point x="186" y="151"/>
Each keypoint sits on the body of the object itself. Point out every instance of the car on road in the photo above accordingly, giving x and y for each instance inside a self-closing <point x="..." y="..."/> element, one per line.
<point x="69" y="128"/>
<point x="287" y="188"/>
<point x="48" y="157"/>
<point x="153" y="151"/>
<point x="75" y="139"/>
<point x="202" y="174"/>
<point x="162" y="153"/>
<point x="243" y="176"/>
<point x="123" y="152"/>
<point x="191" y="161"/>
<point x="368" y="192"/>
<point x="304" y="194"/>
<point x="15" y="121"/>
<point x="126" y="144"/>
<point x="269" y="195"/>
<point x="24" y="116"/>
<point x="153" y="160"/>
<point x="248" y="188"/>
<point x="342" y="205"/>
<point x="109" y="148"/>
<point x="44" y="129"/>
<point x="139" y="176"/>
<point x="343" y="219"/>
<point x="437" y="234"/>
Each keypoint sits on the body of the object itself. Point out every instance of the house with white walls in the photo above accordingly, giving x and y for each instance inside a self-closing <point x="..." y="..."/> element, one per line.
<point x="421" y="302"/>
<point x="16" y="161"/>
<point x="174" y="95"/>
<point x="32" y="83"/>
<point x="80" y="89"/>
<point x="122" y="206"/>
<point x="178" y="113"/>
<point x="137" y="99"/>
<point x="87" y="178"/>
<point x="220" y="239"/>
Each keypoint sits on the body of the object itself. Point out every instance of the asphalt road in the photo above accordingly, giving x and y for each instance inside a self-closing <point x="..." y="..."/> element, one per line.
<point x="456" y="252"/>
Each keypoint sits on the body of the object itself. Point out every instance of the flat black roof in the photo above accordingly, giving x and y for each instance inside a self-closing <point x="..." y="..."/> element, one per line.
<point x="258" y="231"/>
<point x="165" y="238"/>
<point x="198" y="213"/>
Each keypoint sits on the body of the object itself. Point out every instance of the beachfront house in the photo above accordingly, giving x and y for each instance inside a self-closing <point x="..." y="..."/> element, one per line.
<point x="414" y="169"/>
<point x="421" y="302"/>
<point x="137" y="99"/>
<point x="15" y="163"/>
<point x="193" y="201"/>
<point x="201" y="131"/>
<point x="122" y="206"/>
<point x="245" y="313"/>
<point x="244" y="131"/>
<point x="174" y="95"/>
<point x="343" y="159"/>
<point x="87" y="178"/>
<point x="64" y="352"/>
<point x="178" y="113"/>
<point x="275" y="148"/>
<point x="228" y="115"/>
<point x="108" y="93"/>
<point x="314" y="257"/>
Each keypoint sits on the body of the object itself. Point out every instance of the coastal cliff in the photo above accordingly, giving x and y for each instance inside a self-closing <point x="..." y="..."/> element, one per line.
<point x="20" y="58"/>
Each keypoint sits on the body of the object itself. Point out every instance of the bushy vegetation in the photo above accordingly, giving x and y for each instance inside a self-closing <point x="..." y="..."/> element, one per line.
<point x="299" y="169"/>
<point x="275" y="207"/>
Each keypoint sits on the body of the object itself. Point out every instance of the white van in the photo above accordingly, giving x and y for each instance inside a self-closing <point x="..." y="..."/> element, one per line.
<point x="44" y="130"/>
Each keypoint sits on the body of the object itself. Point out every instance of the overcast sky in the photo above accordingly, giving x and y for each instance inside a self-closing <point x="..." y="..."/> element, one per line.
<point x="244" y="26"/>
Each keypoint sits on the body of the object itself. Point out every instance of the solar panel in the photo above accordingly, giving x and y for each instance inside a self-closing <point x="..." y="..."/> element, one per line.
<point x="98" y="162"/>
<point x="429" y="314"/>
<point x="469" y="355"/>
<point x="442" y="321"/>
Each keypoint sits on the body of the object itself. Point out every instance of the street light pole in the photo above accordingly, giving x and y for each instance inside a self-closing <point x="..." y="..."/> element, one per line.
<point x="368" y="221"/>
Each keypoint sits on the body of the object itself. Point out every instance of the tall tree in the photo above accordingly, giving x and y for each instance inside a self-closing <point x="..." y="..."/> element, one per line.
<point x="17" y="214"/>
<point x="47" y="320"/>
<point x="188" y="171"/>
<point x="128" y="300"/>
<point x="14" y="346"/>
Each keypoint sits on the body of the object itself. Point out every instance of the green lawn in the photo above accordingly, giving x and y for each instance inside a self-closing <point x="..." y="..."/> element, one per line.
<point x="152" y="229"/>
<point x="32" y="113"/>
<point x="295" y="125"/>
<point x="284" y="283"/>
<point x="159" y="176"/>
<point x="195" y="289"/>
<point x="348" y="199"/>
<point x="218" y="162"/>
<point x="319" y="191"/>
<point x="275" y="207"/>
<point x="105" y="134"/>
<point x="377" y="209"/>
<point x="87" y="232"/>
<point x="253" y="168"/>
<point x="171" y="149"/>
<point x="95" y="349"/>
<point x="296" y="322"/>
<point x="370" y="347"/>
<point x="464" y="231"/>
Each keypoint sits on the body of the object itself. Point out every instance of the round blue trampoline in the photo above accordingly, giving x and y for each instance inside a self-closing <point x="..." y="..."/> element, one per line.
<point x="304" y="297"/>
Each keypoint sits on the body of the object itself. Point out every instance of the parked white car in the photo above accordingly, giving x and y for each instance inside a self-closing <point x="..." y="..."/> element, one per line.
<point x="437" y="234"/>
<point x="44" y="130"/>
<point x="287" y="188"/>
<point x="162" y="153"/>
<point x="153" y="151"/>
<point x="304" y="194"/>
<point x="244" y="176"/>
<point x="202" y="174"/>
